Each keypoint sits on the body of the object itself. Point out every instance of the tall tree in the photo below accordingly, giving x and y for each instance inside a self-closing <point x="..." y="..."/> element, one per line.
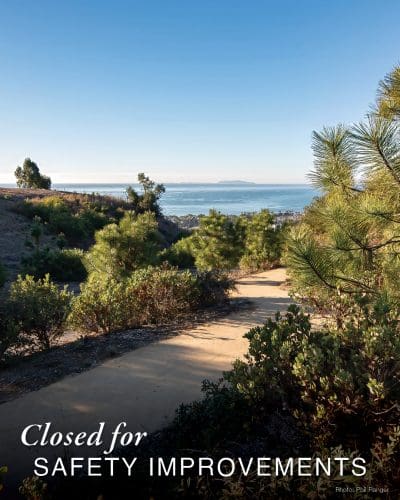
<point x="148" y="199"/>
<point x="29" y="176"/>
<point x="346" y="250"/>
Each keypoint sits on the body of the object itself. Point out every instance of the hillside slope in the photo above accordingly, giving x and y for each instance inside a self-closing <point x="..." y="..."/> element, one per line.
<point x="15" y="228"/>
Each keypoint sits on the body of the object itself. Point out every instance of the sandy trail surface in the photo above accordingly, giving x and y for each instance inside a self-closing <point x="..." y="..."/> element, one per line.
<point x="143" y="387"/>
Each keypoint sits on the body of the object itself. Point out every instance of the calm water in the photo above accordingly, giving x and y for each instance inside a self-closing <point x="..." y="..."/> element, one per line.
<point x="182" y="199"/>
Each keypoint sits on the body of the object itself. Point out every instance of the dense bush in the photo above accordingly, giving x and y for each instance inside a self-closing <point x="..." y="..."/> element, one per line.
<point x="152" y="295"/>
<point x="61" y="265"/>
<point x="217" y="243"/>
<point x="179" y="254"/>
<point x="300" y="391"/>
<point x="76" y="218"/>
<point x="252" y="241"/>
<point x="214" y="287"/>
<point x="263" y="241"/>
<point x="121" y="248"/>
<point x="163" y="293"/>
<point x="104" y="304"/>
<point x="38" y="309"/>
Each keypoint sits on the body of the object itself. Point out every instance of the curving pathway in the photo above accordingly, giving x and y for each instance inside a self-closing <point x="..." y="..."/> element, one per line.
<point x="143" y="387"/>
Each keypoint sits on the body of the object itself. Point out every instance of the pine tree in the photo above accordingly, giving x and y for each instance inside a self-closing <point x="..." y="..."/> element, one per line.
<point x="122" y="248"/>
<point x="262" y="242"/>
<point x="217" y="243"/>
<point x="347" y="247"/>
<point x="389" y="95"/>
<point x="148" y="199"/>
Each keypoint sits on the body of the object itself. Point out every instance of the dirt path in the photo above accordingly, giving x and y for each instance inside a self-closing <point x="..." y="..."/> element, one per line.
<point x="143" y="387"/>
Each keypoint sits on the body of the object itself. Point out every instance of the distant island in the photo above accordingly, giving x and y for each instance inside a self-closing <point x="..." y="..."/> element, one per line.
<point x="235" y="182"/>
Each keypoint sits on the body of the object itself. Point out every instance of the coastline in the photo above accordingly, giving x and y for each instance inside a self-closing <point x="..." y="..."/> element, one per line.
<point x="189" y="222"/>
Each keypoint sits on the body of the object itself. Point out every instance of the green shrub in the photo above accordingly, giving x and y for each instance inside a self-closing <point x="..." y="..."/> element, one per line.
<point x="163" y="293"/>
<point x="61" y="265"/>
<point x="179" y="254"/>
<point x="38" y="309"/>
<point x="217" y="243"/>
<point x="76" y="220"/>
<point x="103" y="305"/>
<point x="262" y="243"/>
<point x="343" y="385"/>
<point x="122" y="248"/>
<point x="214" y="287"/>
<point x="148" y="296"/>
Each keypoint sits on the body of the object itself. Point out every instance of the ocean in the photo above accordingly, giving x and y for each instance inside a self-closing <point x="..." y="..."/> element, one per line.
<point x="233" y="199"/>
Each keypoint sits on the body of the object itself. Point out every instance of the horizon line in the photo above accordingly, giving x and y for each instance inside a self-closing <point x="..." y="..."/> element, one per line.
<point x="220" y="183"/>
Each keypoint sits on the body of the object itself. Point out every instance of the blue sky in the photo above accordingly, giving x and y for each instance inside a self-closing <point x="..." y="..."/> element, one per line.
<point x="96" y="91"/>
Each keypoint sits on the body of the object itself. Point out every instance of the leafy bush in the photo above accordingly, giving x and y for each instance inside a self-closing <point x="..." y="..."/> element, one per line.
<point x="38" y="309"/>
<point x="163" y="293"/>
<point x="76" y="219"/>
<point x="300" y="392"/>
<point x="104" y="305"/>
<point x="61" y="265"/>
<point x="214" y="287"/>
<point x="124" y="247"/>
<point x="148" y="296"/>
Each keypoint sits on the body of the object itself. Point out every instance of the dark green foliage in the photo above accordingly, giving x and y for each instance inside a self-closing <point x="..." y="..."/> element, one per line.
<point x="153" y="295"/>
<point x="252" y="242"/>
<point x="8" y="330"/>
<point x="179" y="254"/>
<point x="214" y="287"/>
<point x="148" y="296"/>
<point x="61" y="265"/>
<point x="205" y="423"/>
<point x="348" y="241"/>
<point x="147" y="201"/>
<point x="76" y="218"/>
<point x="3" y="275"/>
<point x="29" y="176"/>
<point x="299" y="392"/>
<point x="38" y="309"/>
<point x="263" y="241"/>
<point x="125" y="247"/>
<point x="37" y="231"/>
<point x="217" y="243"/>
